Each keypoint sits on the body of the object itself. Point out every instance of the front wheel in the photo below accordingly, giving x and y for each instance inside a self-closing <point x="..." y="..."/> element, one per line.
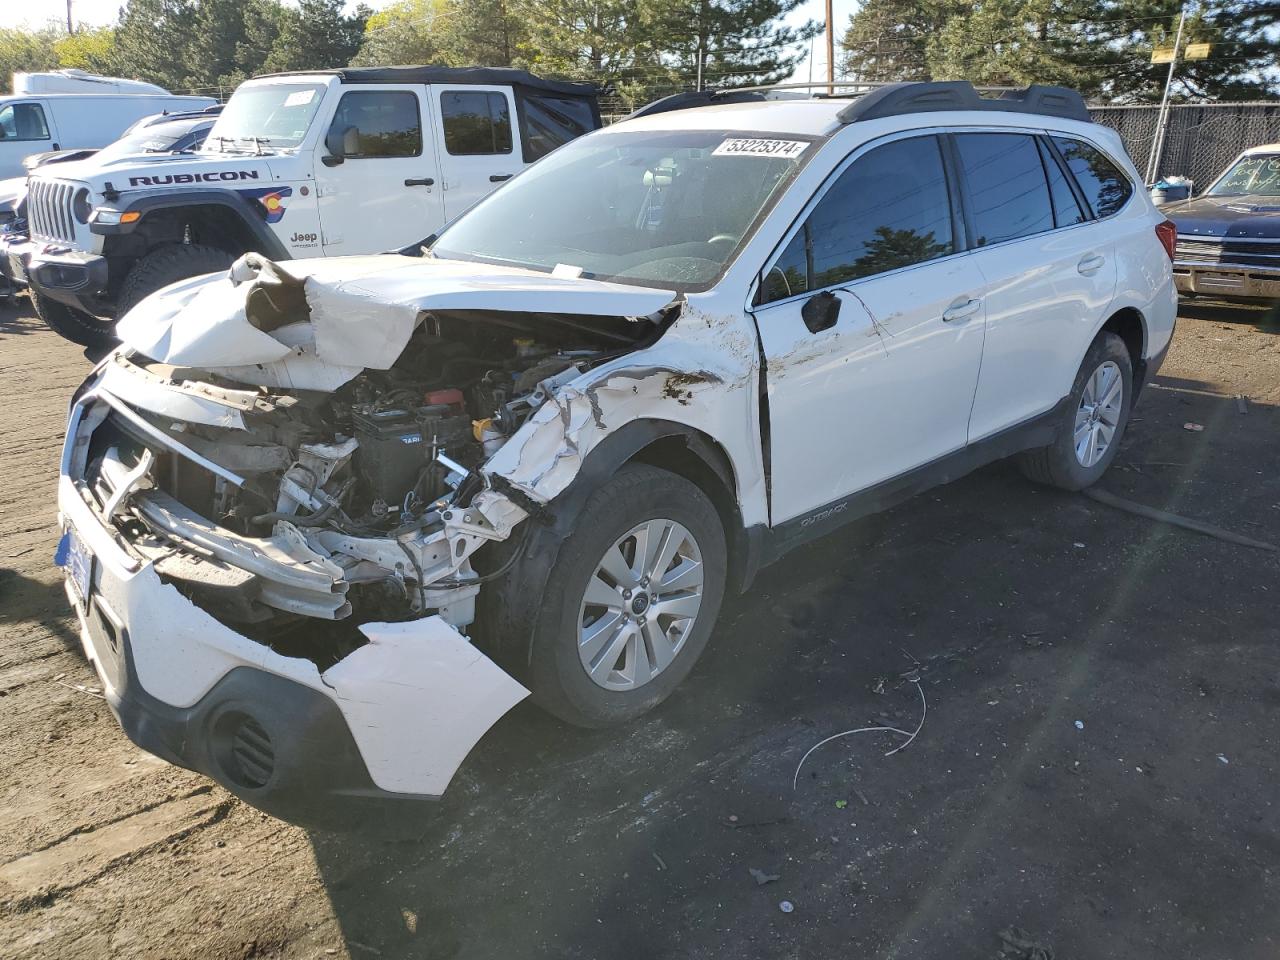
<point x="74" y="325"/>
<point x="165" y="266"/>
<point x="1094" y="422"/>
<point x="631" y="601"/>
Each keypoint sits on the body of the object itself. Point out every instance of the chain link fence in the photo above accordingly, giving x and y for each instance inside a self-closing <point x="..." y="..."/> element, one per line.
<point x="1201" y="139"/>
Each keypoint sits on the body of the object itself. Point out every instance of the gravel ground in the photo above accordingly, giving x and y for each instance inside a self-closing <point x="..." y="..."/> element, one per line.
<point x="1097" y="767"/>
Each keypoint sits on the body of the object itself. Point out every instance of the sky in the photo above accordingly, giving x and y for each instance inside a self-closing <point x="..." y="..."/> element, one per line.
<point x="100" y="12"/>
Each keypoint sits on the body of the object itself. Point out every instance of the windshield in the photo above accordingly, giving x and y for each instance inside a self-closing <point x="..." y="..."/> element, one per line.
<point x="272" y="115"/>
<point x="1258" y="175"/>
<point x="145" y="141"/>
<point x="655" y="209"/>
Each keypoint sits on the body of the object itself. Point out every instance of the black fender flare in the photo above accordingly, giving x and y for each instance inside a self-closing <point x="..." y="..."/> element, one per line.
<point x="540" y="536"/>
<point x="240" y="206"/>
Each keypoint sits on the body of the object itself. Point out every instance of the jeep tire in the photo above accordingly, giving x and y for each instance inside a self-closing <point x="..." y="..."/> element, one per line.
<point x="168" y="265"/>
<point x="72" y="324"/>
<point x="1097" y="412"/>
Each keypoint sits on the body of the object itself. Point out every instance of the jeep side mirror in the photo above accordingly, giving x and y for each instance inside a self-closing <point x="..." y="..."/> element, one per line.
<point x="820" y="312"/>
<point x="340" y="144"/>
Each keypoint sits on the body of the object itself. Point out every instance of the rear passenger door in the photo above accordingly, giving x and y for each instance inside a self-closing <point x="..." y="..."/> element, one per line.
<point x="1049" y="271"/>
<point x="886" y="385"/>
<point x="385" y="194"/>
<point x="478" y="143"/>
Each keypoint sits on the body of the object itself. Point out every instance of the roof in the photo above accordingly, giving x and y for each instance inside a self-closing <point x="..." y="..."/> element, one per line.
<point x="814" y="118"/>
<point x="1265" y="148"/>
<point x="890" y="100"/>
<point x="496" y="76"/>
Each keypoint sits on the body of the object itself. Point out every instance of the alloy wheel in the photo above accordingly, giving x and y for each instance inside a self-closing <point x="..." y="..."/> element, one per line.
<point x="1098" y="415"/>
<point x="640" y="604"/>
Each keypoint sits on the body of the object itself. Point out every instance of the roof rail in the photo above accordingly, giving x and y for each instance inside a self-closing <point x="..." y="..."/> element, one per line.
<point x="873" y="100"/>
<point x="902" y="98"/>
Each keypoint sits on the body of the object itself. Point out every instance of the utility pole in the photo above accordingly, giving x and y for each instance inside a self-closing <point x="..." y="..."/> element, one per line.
<point x="831" y="47"/>
<point x="1162" y="123"/>
<point x="70" y="26"/>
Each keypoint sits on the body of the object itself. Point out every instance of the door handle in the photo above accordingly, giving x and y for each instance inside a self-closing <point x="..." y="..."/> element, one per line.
<point x="962" y="311"/>
<point x="1091" y="264"/>
<point x="499" y="177"/>
<point x="419" y="182"/>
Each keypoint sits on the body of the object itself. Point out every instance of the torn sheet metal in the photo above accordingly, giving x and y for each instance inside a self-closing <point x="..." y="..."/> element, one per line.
<point x="422" y="686"/>
<point x="358" y="313"/>
<point x="148" y="392"/>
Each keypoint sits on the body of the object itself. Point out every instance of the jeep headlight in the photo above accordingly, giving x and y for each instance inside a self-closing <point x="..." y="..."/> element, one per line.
<point x="110" y="215"/>
<point x="80" y="205"/>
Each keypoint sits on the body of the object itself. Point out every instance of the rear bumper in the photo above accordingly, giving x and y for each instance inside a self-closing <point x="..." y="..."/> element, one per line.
<point x="1226" y="281"/>
<point x="72" y="277"/>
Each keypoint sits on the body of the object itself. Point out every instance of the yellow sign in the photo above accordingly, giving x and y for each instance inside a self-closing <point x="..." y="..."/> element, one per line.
<point x="1162" y="55"/>
<point x="1196" y="51"/>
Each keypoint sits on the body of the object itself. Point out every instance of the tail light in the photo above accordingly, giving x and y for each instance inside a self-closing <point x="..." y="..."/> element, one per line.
<point x="1168" y="234"/>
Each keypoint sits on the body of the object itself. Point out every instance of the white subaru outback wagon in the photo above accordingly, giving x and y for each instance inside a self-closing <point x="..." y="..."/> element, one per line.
<point x="326" y="521"/>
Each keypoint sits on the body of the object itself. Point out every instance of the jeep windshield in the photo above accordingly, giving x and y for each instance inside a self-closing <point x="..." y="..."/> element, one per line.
<point x="653" y="209"/>
<point x="1257" y="176"/>
<point x="273" y="115"/>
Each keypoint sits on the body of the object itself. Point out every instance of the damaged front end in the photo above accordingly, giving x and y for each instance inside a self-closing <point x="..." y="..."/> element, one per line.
<point x="272" y="495"/>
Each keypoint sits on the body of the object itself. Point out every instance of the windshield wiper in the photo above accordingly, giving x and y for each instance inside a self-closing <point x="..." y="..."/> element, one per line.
<point x="228" y="144"/>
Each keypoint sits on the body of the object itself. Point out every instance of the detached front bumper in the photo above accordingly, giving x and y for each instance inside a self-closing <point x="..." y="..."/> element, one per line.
<point x="1226" y="281"/>
<point x="14" y="252"/>
<point x="73" y="277"/>
<point x="392" y="720"/>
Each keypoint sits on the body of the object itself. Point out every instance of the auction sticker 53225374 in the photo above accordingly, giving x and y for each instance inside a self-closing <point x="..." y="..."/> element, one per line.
<point x="758" y="147"/>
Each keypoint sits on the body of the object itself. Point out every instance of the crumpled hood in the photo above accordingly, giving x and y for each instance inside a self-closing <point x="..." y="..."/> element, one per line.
<point x="315" y="324"/>
<point x="1243" y="217"/>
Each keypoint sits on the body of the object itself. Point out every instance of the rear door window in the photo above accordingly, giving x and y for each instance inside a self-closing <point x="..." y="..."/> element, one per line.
<point x="1005" y="186"/>
<point x="23" y="121"/>
<point x="1066" y="208"/>
<point x="1103" y="184"/>
<point x="890" y="209"/>
<point x="387" y="122"/>
<point x="475" y="122"/>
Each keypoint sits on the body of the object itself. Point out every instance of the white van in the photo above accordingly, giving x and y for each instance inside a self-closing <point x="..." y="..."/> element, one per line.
<point x="71" y="110"/>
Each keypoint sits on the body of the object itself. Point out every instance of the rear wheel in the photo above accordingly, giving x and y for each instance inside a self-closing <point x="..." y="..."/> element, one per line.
<point x="165" y="266"/>
<point x="75" y="325"/>
<point x="1094" y="422"/>
<point x="631" y="601"/>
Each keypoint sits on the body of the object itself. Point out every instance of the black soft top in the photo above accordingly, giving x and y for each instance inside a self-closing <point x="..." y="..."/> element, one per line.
<point x="508" y="76"/>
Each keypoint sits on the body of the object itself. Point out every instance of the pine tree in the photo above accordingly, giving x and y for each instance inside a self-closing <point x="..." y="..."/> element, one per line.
<point x="317" y="36"/>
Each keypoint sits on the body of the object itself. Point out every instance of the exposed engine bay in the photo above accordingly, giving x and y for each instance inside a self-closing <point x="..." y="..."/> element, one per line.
<point x="333" y="505"/>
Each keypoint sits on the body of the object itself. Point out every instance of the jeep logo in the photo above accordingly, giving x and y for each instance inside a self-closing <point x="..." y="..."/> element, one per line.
<point x="176" y="178"/>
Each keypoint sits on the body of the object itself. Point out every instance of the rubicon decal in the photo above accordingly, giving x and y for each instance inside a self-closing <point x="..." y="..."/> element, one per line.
<point x="272" y="200"/>
<point x="215" y="176"/>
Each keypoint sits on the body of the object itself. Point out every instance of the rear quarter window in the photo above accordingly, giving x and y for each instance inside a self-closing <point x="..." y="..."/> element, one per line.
<point x="1103" y="184"/>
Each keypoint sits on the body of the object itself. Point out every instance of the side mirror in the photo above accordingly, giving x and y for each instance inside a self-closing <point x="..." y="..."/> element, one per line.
<point x="340" y="144"/>
<point x="820" y="312"/>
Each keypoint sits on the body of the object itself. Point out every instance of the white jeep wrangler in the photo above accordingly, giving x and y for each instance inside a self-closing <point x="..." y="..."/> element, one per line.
<point x="331" y="163"/>
<point x="326" y="521"/>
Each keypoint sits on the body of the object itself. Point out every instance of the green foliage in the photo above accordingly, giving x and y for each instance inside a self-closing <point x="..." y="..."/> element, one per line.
<point x="317" y="35"/>
<point x="24" y="51"/>
<point x="1100" y="47"/>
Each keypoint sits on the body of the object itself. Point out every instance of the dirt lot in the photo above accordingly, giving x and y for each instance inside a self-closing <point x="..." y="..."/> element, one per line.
<point x="1098" y="765"/>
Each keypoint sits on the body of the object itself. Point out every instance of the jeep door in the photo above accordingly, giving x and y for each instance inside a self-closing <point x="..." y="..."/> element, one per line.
<point x="384" y="194"/>
<point x="1050" y="273"/>
<point x="478" y="142"/>
<point x="885" y="384"/>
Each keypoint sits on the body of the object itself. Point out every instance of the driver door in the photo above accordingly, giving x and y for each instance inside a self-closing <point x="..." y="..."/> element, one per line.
<point x="872" y="329"/>
<point x="385" y="193"/>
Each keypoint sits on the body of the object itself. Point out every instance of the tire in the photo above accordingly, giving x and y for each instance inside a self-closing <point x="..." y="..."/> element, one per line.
<point x="74" y="325"/>
<point x="1061" y="464"/>
<point x="165" y="266"/>
<point x="656" y="500"/>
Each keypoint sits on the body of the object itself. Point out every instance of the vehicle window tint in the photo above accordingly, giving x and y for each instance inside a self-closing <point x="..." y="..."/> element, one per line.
<point x="547" y="121"/>
<point x="475" y="122"/>
<point x="23" y="121"/>
<point x="889" y="209"/>
<point x="1006" y="187"/>
<point x="386" y="121"/>
<point x="1066" y="208"/>
<point x="1103" y="184"/>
